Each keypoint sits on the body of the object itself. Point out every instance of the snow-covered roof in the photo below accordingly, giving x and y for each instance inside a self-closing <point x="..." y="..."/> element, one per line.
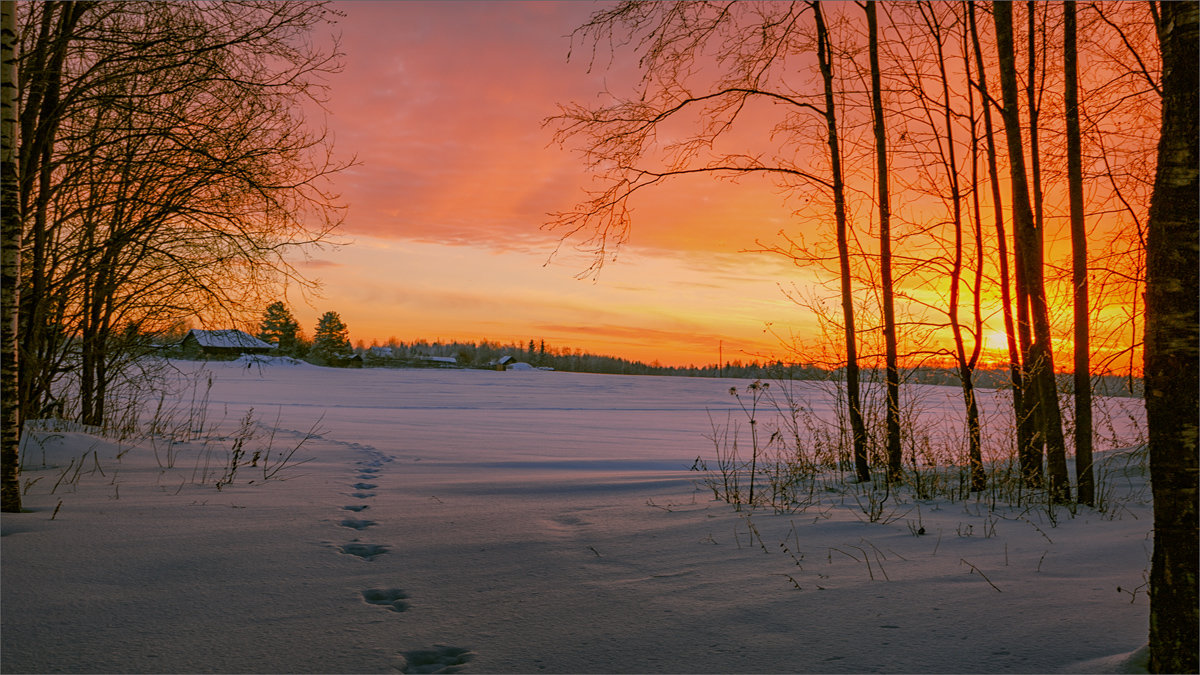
<point x="231" y="338"/>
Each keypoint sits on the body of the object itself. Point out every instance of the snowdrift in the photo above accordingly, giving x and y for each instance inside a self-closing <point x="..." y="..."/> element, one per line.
<point x="302" y="519"/>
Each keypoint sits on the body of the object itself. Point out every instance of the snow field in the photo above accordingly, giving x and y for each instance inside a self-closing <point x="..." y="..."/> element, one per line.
<point x="528" y="522"/>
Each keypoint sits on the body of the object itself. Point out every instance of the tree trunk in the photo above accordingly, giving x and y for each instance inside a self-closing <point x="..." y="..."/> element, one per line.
<point x="1040" y="361"/>
<point x="1020" y="409"/>
<point x="967" y="365"/>
<point x="1050" y="416"/>
<point x="39" y="121"/>
<point x="885" y="255"/>
<point x="857" y="427"/>
<point x="1083" y="382"/>
<point x="1034" y="422"/>
<point x="10" y="266"/>
<point x="1172" y="350"/>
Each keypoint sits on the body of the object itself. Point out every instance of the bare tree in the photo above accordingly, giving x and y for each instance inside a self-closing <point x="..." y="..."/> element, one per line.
<point x="50" y="27"/>
<point x="1085" y="481"/>
<point x="891" y="359"/>
<point x="1039" y="363"/>
<point x="1021" y="396"/>
<point x="1119" y="158"/>
<point x="853" y="394"/>
<point x="936" y="112"/>
<point x="1172" y="368"/>
<point x="620" y="140"/>
<point x="181" y="172"/>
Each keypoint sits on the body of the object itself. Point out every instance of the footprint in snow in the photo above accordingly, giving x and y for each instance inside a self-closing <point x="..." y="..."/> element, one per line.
<point x="355" y="507"/>
<point x="364" y="486"/>
<point x="392" y="598"/>
<point x="358" y="524"/>
<point x="364" y="551"/>
<point x="440" y="659"/>
<point x="362" y="495"/>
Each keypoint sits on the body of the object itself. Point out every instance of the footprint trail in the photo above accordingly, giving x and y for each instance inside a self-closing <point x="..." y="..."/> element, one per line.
<point x="439" y="659"/>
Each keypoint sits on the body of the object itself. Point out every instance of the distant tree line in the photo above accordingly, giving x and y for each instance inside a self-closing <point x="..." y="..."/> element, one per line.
<point x="482" y="354"/>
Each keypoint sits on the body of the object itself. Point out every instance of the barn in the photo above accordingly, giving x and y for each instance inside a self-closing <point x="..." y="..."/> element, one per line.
<point x="229" y="343"/>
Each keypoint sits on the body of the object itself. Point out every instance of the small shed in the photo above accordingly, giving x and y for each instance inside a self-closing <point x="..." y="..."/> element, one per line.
<point x="346" y="361"/>
<point x="229" y="343"/>
<point x="501" y="363"/>
<point x="437" y="361"/>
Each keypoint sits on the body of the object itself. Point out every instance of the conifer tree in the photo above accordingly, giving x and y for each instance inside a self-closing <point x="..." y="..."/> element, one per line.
<point x="331" y="338"/>
<point x="280" y="328"/>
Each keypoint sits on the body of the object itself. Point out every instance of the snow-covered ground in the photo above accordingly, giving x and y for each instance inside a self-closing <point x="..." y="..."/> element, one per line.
<point x="529" y="522"/>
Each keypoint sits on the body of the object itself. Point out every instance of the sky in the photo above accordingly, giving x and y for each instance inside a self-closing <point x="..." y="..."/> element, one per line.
<point x="442" y="105"/>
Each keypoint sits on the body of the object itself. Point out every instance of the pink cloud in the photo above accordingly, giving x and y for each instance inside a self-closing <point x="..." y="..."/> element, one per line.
<point x="443" y="105"/>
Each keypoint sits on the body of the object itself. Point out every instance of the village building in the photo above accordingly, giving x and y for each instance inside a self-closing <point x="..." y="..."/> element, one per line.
<point x="228" y="343"/>
<point x="346" y="361"/>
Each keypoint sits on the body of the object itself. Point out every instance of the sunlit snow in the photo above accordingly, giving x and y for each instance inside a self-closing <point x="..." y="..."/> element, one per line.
<point x="535" y="521"/>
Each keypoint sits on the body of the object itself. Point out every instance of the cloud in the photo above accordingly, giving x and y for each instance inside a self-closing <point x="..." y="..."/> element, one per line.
<point x="319" y="263"/>
<point x="443" y="104"/>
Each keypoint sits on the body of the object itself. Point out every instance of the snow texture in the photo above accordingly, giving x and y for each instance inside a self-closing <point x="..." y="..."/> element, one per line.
<point x="483" y="521"/>
<point x="231" y="338"/>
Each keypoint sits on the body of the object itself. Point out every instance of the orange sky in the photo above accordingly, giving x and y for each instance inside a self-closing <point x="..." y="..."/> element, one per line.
<point x="443" y="105"/>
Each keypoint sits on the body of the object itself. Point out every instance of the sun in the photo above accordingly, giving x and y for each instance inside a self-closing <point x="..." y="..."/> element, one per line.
<point x="995" y="340"/>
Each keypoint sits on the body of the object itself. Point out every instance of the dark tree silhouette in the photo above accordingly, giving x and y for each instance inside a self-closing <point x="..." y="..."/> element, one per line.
<point x="331" y="339"/>
<point x="1085" y="480"/>
<point x="1172" y="369"/>
<point x="891" y="358"/>
<point x="749" y="45"/>
<point x="280" y="328"/>
<point x="1039" y="364"/>
<point x="165" y="171"/>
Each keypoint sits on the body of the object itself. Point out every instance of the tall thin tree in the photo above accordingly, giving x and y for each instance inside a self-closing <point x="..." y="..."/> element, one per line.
<point x="751" y="49"/>
<point x="858" y="427"/>
<point x="10" y="265"/>
<point x="1040" y="362"/>
<point x="1084" y="477"/>
<point x="1021" y="409"/>
<point x="892" y="374"/>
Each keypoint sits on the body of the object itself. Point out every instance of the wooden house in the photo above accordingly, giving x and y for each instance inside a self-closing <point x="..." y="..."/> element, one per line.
<point x="229" y="343"/>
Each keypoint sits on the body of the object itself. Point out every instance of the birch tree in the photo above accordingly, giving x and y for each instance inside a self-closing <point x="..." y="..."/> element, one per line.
<point x="1172" y="366"/>
<point x="10" y="266"/>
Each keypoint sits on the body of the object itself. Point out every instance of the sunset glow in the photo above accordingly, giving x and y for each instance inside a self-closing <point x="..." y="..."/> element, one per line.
<point x="443" y="104"/>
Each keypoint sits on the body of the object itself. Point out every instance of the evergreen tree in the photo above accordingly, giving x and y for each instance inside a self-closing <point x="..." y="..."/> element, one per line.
<point x="281" y="329"/>
<point x="332" y="338"/>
